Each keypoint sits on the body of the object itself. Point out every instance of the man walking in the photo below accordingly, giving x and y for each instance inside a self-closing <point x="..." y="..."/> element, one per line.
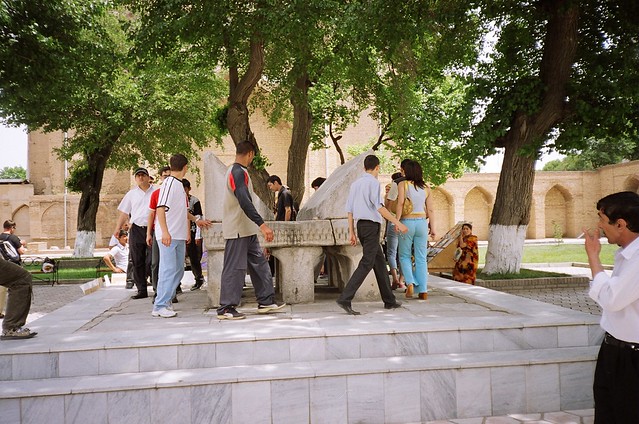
<point x="616" y="385"/>
<point x="136" y="204"/>
<point x="240" y="225"/>
<point x="366" y="206"/>
<point x="172" y="228"/>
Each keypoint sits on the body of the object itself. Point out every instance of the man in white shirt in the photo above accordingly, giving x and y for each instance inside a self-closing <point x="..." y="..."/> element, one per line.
<point x="616" y="385"/>
<point x="119" y="253"/>
<point x="172" y="228"/>
<point x="136" y="204"/>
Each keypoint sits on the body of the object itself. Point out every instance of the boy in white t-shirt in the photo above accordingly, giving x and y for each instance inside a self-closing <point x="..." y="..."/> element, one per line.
<point x="172" y="228"/>
<point x="119" y="253"/>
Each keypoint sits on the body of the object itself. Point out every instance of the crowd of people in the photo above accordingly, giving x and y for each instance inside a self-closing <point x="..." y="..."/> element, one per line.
<point x="167" y="220"/>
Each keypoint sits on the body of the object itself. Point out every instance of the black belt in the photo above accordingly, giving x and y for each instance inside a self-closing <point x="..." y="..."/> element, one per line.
<point x="140" y="226"/>
<point x="610" y="340"/>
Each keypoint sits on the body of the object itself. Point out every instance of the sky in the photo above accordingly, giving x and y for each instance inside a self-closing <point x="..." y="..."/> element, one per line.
<point x="13" y="145"/>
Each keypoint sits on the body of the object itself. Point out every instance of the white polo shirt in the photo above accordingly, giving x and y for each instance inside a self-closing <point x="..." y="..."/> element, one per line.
<point x="175" y="202"/>
<point x="136" y="204"/>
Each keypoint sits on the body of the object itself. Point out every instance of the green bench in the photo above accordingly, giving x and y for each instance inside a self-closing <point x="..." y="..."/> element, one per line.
<point x="35" y="267"/>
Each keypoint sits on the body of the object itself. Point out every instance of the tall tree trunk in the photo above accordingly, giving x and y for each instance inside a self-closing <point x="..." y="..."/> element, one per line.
<point x="240" y="89"/>
<point x="90" y="200"/>
<point x="511" y="214"/>
<point x="300" y="138"/>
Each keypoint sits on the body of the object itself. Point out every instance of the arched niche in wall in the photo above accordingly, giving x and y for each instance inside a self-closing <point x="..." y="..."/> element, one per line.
<point x="631" y="184"/>
<point x="478" y="206"/>
<point x="558" y="212"/>
<point x="23" y="222"/>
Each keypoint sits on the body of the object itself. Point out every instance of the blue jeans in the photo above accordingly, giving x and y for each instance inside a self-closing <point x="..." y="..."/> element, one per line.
<point x="392" y="240"/>
<point x="417" y="238"/>
<point x="170" y="273"/>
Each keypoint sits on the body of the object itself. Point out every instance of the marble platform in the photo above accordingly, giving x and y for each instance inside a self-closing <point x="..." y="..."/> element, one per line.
<point x="466" y="352"/>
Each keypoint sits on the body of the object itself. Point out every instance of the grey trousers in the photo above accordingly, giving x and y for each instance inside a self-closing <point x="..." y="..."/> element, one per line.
<point x="240" y="254"/>
<point x="18" y="282"/>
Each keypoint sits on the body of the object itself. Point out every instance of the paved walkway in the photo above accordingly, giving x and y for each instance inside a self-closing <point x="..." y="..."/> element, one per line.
<point x="48" y="299"/>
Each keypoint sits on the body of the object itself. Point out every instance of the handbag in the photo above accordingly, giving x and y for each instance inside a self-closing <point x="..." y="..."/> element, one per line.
<point x="458" y="253"/>
<point x="407" y="208"/>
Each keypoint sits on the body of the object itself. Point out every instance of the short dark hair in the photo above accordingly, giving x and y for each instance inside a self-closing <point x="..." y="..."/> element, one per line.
<point x="317" y="182"/>
<point x="623" y="205"/>
<point x="244" y="147"/>
<point x="8" y="224"/>
<point x="371" y="162"/>
<point x="186" y="183"/>
<point x="178" y="161"/>
<point x="123" y="233"/>
<point x="164" y="169"/>
<point x="274" y="179"/>
<point x="396" y="175"/>
<point x="469" y="225"/>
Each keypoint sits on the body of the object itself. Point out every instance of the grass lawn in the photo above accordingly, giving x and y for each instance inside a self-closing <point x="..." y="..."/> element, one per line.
<point x="523" y="273"/>
<point x="553" y="253"/>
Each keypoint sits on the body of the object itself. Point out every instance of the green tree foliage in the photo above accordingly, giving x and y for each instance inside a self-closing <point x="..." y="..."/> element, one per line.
<point x="69" y="64"/>
<point x="13" y="173"/>
<point x="569" y="163"/>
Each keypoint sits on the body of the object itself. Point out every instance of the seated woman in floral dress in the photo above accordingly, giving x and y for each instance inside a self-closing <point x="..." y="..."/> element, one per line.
<point x="465" y="270"/>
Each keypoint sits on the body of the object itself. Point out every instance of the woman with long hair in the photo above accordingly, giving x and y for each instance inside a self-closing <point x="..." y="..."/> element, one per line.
<point x="421" y="223"/>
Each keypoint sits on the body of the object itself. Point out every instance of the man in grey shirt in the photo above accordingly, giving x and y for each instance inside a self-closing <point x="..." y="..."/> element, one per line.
<point x="365" y="204"/>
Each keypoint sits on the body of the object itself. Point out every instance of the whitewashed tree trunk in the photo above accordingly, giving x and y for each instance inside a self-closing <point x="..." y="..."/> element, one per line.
<point x="84" y="244"/>
<point x="505" y="248"/>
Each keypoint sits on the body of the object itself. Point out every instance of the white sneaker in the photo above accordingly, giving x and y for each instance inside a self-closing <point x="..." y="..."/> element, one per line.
<point x="164" y="313"/>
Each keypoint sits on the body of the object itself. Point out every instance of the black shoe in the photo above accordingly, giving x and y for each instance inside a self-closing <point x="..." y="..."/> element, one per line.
<point x="178" y="290"/>
<point x="197" y="286"/>
<point x="140" y="296"/>
<point x="392" y="305"/>
<point x="129" y="284"/>
<point x="174" y="300"/>
<point x="347" y="308"/>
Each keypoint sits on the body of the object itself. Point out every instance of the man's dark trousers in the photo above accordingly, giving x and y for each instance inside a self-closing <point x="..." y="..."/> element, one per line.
<point x="18" y="282"/>
<point x="616" y="386"/>
<point x="372" y="258"/>
<point x="140" y="256"/>
<point x="195" y="257"/>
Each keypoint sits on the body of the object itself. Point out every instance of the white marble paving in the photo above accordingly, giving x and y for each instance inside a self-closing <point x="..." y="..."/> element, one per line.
<point x="402" y="400"/>
<point x="473" y="393"/>
<point x="211" y="404"/>
<point x="573" y="335"/>
<point x="542" y="388"/>
<point x="86" y="408"/>
<point x="251" y="402"/>
<point x="40" y="410"/>
<point x="377" y="345"/>
<point x="84" y="362"/>
<point x="129" y="406"/>
<point x="5" y="367"/>
<point x="365" y="398"/>
<point x="476" y="341"/>
<point x="329" y="400"/>
<point x="196" y="356"/>
<point x="271" y="352"/>
<point x="158" y="358"/>
<point x="37" y="365"/>
<point x="114" y="361"/>
<point x="10" y="411"/>
<point x="541" y="337"/>
<point x="412" y="344"/>
<point x="438" y="394"/>
<point x="170" y="405"/>
<point x="308" y="349"/>
<point x="575" y="380"/>
<point x="240" y="353"/>
<point x="508" y="389"/>
<point x="342" y="347"/>
<point x="290" y="400"/>
<point x="444" y="342"/>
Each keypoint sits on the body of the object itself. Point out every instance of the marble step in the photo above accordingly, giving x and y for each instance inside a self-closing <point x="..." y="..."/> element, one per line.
<point x="385" y="389"/>
<point x="130" y="352"/>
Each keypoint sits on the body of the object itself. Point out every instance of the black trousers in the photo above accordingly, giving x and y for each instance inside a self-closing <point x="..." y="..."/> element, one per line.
<point x="17" y="280"/>
<point x="372" y="258"/>
<point x="616" y="386"/>
<point x="140" y="257"/>
<point x="194" y="251"/>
